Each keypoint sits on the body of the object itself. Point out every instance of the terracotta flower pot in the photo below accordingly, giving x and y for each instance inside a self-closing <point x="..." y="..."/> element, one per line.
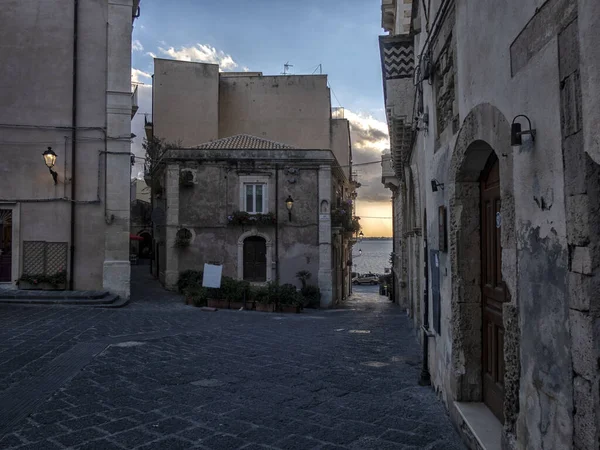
<point x="238" y="305"/>
<point x="289" y="309"/>
<point x="220" y="304"/>
<point x="265" y="307"/>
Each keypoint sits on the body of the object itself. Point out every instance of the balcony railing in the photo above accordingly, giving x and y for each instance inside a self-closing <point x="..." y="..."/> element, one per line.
<point x="337" y="112"/>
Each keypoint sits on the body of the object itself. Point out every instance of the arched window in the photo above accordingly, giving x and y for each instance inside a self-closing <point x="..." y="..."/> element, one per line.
<point x="255" y="259"/>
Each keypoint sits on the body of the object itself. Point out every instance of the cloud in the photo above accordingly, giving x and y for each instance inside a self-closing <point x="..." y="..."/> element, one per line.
<point x="246" y="69"/>
<point x="137" y="46"/>
<point x="369" y="139"/>
<point x="151" y="54"/>
<point x="201" y="53"/>
<point x="138" y="75"/>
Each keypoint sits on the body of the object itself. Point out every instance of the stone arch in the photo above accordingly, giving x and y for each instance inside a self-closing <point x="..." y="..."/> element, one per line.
<point x="240" y="253"/>
<point x="484" y="131"/>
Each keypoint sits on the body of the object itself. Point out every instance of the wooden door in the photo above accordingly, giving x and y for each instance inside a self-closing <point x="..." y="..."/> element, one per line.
<point x="255" y="259"/>
<point x="492" y="290"/>
<point x="5" y="245"/>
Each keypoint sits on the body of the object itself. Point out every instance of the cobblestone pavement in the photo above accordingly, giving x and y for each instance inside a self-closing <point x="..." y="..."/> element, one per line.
<point x="162" y="375"/>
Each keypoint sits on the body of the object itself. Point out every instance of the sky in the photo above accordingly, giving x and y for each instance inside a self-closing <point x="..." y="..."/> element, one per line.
<point x="263" y="35"/>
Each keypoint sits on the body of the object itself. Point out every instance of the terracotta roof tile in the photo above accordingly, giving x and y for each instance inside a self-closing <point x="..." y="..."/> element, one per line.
<point x="243" y="142"/>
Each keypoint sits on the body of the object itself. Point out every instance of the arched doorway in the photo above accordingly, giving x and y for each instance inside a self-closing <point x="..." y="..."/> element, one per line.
<point x="492" y="289"/>
<point x="255" y="259"/>
<point x="481" y="172"/>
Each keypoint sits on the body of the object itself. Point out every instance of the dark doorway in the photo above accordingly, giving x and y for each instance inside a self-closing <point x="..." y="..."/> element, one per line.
<point x="493" y="291"/>
<point x="255" y="259"/>
<point x="5" y="245"/>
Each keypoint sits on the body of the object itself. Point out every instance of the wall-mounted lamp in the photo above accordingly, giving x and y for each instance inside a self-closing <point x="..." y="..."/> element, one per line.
<point x="50" y="160"/>
<point x="435" y="184"/>
<point x="289" y="204"/>
<point x="516" y="133"/>
<point x="361" y="235"/>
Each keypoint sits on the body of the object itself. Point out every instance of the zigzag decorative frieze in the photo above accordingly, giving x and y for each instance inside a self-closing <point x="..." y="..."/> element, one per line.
<point x="397" y="58"/>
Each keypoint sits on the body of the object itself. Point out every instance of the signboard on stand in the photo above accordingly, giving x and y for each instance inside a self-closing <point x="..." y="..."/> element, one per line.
<point x="212" y="276"/>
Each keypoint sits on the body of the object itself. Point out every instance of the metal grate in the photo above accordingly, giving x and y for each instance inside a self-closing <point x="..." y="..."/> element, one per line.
<point x="44" y="258"/>
<point x="56" y="257"/>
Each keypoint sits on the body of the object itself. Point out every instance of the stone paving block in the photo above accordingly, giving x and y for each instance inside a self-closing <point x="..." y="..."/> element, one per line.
<point x="134" y="438"/>
<point x="84" y="422"/>
<point x="42" y="445"/>
<point x="196" y="434"/>
<point x="40" y="433"/>
<point x="170" y="443"/>
<point x="223" y="442"/>
<point x="99" y="444"/>
<point x="118" y="425"/>
<point x="77" y="437"/>
<point x="10" y="440"/>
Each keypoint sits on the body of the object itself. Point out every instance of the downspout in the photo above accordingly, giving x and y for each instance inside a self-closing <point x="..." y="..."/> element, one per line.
<point x="74" y="143"/>
<point x="277" y="224"/>
<point x="425" y="378"/>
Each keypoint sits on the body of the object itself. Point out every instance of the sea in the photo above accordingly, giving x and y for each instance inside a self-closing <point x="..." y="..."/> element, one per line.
<point x="371" y="256"/>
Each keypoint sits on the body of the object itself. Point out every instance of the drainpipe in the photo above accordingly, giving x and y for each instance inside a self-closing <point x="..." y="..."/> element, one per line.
<point x="74" y="142"/>
<point x="276" y="224"/>
<point x="425" y="378"/>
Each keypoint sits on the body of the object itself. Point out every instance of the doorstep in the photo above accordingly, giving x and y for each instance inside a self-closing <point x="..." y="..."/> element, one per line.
<point x="480" y="429"/>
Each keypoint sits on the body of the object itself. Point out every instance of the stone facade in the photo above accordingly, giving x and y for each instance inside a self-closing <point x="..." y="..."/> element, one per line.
<point x="70" y="90"/>
<point x="277" y="129"/>
<point x="469" y="88"/>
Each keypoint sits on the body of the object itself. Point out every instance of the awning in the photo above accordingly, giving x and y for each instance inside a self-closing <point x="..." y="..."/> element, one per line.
<point x="133" y="237"/>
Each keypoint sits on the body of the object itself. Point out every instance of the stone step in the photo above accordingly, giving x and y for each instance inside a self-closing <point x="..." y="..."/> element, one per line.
<point x="108" y="300"/>
<point x="52" y="295"/>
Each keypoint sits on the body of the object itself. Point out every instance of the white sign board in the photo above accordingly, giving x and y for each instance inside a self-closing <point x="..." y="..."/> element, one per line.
<point x="212" y="276"/>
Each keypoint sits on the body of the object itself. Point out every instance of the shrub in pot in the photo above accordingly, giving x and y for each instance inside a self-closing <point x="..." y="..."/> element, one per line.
<point x="196" y="295"/>
<point x="311" y="296"/>
<point x="261" y="296"/>
<point x="289" y="299"/>
<point x="236" y="292"/>
<point x="189" y="278"/>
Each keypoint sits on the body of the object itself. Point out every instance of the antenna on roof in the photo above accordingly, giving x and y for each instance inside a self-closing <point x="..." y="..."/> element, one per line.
<point x="286" y="67"/>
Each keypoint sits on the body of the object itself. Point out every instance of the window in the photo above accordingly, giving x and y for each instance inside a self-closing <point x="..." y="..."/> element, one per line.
<point x="255" y="196"/>
<point x="254" y="193"/>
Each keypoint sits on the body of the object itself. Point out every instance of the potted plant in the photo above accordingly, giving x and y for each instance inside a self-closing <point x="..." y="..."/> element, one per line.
<point x="186" y="178"/>
<point x="56" y="282"/>
<point x="289" y="299"/>
<point x="244" y="218"/>
<point x="236" y="292"/>
<point x="262" y="299"/>
<point x="196" y="296"/>
<point x="189" y="278"/>
<point x="215" y="298"/>
<point x="183" y="237"/>
<point x="311" y="296"/>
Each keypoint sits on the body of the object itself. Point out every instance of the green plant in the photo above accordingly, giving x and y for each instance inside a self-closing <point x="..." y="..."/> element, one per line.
<point x="311" y="296"/>
<point x="197" y="294"/>
<point x="303" y="276"/>
<point x="189" y="278"/>
<point x="183" y="237"/>
<point x="244" y="218"/>
<point x="56" y="279"/>
<point x="234" y="290"/>
<point x="342" y="217"/>
<point x="260" y="294"/>
<point x="288" y="295"/>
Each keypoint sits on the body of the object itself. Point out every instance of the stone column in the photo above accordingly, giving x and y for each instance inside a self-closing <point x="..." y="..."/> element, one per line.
<point x="172" y="224"/>
<point x="325" y="249"/>
<point x="116" y="268"/>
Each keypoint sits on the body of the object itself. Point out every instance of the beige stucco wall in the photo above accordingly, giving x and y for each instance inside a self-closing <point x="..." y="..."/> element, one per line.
<point x="185" y="101"/>
<point x="36" y="94"/>
<point x="340" y="144"/>
<point x="292" y="109"/>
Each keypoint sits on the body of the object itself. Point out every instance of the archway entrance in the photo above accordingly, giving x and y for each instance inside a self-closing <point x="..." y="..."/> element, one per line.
<point x="5" y="245"/>
<point x="492" y="289"/>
